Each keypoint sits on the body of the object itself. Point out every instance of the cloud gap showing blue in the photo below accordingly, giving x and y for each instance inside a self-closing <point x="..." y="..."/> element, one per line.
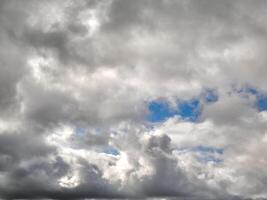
<point x="160" y="110"/>
<point x="208" y="149"/>
<point x="209" y="158"/>
<point x="206" y="154"/>
<point x="189" y="110"/>
<point x="111" y="150"/>
<point x="261" y="98"/>
<point x="210" y="95"/>
<point x="80" y="131"/>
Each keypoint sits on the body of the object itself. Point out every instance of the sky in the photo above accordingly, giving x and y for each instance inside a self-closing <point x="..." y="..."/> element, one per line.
<point x="133" y="99"/>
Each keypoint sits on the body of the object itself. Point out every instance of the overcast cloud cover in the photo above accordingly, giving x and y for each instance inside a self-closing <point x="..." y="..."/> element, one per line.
<point x="133" y="99"/>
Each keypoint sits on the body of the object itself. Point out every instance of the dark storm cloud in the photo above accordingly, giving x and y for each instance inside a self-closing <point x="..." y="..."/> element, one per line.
<point x="30" y="172"/>
<point x="24" y="185"/>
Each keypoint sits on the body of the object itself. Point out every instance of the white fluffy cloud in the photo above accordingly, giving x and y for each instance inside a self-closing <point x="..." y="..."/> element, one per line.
<point x="77" y="79"/>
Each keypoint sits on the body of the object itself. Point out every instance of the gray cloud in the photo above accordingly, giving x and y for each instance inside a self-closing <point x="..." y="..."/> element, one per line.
<point x="76" y="79"/>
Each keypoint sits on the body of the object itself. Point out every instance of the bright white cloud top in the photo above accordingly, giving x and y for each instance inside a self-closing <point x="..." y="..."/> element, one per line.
<point x="133" y="99"/>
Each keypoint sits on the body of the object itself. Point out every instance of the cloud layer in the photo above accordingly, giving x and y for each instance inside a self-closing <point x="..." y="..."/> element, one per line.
<point x="133" y="99"/>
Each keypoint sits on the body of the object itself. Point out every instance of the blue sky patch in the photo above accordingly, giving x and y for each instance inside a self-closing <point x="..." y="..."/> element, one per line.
<point x="205" y="154"/>
<point x="261" y="102"/>
<point x="261" y="98"/>
<point x="209" y="158"/>
<point x="208" y="149"/>
<point x="111" y="150"/>
<point x="161" y="110"/>
<point x="209" y="154"/>
<point x="210" y="96"/>
<point x="250" y="91"/>
<point x="80" y="131"/>
<point x="189" y="110"/>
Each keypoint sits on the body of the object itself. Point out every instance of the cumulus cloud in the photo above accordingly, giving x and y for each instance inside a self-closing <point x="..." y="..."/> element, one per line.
<point x="77" y="81"/>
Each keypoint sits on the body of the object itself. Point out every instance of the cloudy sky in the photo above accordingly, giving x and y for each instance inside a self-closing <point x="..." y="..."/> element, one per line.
<point x="133" y="99"/>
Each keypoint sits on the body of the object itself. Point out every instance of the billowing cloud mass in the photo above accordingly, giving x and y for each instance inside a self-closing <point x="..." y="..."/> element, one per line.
<point x="133" y="99"/>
